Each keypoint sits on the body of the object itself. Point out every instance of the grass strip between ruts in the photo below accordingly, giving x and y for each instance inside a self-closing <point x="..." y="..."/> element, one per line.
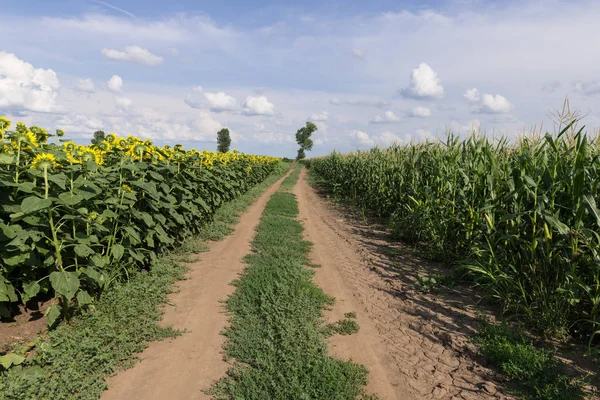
<point x="276" y="333"/>
<point x="73" y="361"/>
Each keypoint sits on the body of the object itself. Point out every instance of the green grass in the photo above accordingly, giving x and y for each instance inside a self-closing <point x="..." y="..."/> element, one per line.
<point x="73" y="361"/>
<point x="276" y="334"/>
<point x="345" y="326"/>
<point x="533" y="373"/>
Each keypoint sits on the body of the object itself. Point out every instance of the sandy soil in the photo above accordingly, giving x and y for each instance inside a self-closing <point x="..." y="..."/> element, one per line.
<point x="181" y="368"/>
<point x="415" y="344"/>
<point x="25" y="326"/>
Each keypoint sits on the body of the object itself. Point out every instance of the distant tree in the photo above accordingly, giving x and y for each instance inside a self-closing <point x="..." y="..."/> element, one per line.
<point x="99" y="137"/>
<point x="223" y="140"/>
<point x="303" y="139"/>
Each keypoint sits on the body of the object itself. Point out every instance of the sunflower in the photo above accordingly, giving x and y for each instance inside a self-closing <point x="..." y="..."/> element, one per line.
<point x="44" y="161"/>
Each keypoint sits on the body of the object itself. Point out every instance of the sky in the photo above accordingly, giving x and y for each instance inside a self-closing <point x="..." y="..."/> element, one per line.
<point x="367" y="73"/>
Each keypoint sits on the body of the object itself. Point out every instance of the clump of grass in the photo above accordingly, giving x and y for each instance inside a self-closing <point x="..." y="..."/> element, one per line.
<point x="342" y="327"/>
<point x="276" y="335"/>
<point x="534" y="373"/>
<point x="351" y="315"/>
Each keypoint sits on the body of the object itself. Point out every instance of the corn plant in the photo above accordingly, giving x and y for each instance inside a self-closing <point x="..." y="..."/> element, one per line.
<point x="520" y="217"/>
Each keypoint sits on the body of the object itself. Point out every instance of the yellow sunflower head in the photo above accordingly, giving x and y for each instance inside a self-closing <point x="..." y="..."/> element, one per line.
<point x="4" y="123"/>
<point x="44" y="161"/>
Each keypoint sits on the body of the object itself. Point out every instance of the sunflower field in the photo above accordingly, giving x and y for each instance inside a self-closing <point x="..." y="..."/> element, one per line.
<point x="73" y="218"/>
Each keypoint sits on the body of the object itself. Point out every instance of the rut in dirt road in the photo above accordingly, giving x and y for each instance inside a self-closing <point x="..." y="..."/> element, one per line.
<point x="181" y="368"/>
<point x="411" y="353"/>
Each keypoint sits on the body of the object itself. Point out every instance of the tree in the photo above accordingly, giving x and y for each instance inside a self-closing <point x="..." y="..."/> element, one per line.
<point x="99" y="137"/>
<point x="223" y="140"/>
<point x="303" y="139"/>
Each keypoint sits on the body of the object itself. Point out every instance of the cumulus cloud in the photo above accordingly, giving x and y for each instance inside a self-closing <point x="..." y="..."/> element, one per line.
<point x="320" y="117"/>
<point x="123" y="103"/>
<point x="85" y="85"/>
<point x="387" y="117"/>
<point x="220" y="101"/>
<point x="388" y="138"/>
<point x="133" y="54"/>
<point x="207" y="125"/>
<point x="359" y="103"/>
<point x="457" y="127"/>
<point x="217" y="102"/>
<point x="24" y="87"/>
<point x="79" y="124"/>
<point x="385" y="138"/>
<point x="262" y="134"/>
<point x="258" y="106"/>
<point x="359" y="53"/>
<point x="362" y="138"/>
<point x="420" y="112"/>
<point x="488" y="103"/>
<point x="115" y="83"/>
<point x="472" y="95"/>
<point x="587" y="88"/>
<point x="424" y="84"/>
<point x="497" y="104"/>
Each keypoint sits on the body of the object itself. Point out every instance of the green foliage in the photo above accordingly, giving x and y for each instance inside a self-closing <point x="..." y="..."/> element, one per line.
<point x="223" y="140"/>
<point x="535" y="373"/>
<point x="346" y="326"/>
<point x="74" y="360"/>
<point x="521" y="219"/>
<point x="276" y="335"/>
<point x="303" y="139"/>
<point x="99" y="137"/>
<point x="431" y="282"/>
<point x="73" y="218"/>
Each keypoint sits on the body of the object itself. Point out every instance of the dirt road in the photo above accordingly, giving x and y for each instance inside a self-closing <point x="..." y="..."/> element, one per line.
<point x="181" y="368"/>
<point x="414" y="344"/>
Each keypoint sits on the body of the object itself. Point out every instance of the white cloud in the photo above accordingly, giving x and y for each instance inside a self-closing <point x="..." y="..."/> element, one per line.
<point x="323" y="116"/>
<point x="24" y="87"/>
<point x="420" y="112"/>
<point x="220" y="101"/>
<point x="388" y="138"/>
<point x="258" y="106"/>
<point x="472" y="95"/>
<point x="133" y="54"/>
<point x="497" y="104"/>
<point x="85" y="85"/>
<point x="115" y="83"/>
<point x="174" y="51"/>
<point x="359" y="53"/>
<point x="387" y="117"/>
<point x="424" y="84"/>
<point x="469" y="127"/>
<point x="207" y="125"/>
<point x="362" y="138"/>
<point x="197" y="89"/>
<point x="79" y="124"/>
<point x="123" y="103"/>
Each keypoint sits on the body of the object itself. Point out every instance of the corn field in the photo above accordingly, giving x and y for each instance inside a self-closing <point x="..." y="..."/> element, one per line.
<point x="74" y="218"/>
<point x="520" y="218"/>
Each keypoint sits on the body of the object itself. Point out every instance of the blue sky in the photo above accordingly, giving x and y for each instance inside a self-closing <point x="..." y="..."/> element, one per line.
<point x="368" y="73"/>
